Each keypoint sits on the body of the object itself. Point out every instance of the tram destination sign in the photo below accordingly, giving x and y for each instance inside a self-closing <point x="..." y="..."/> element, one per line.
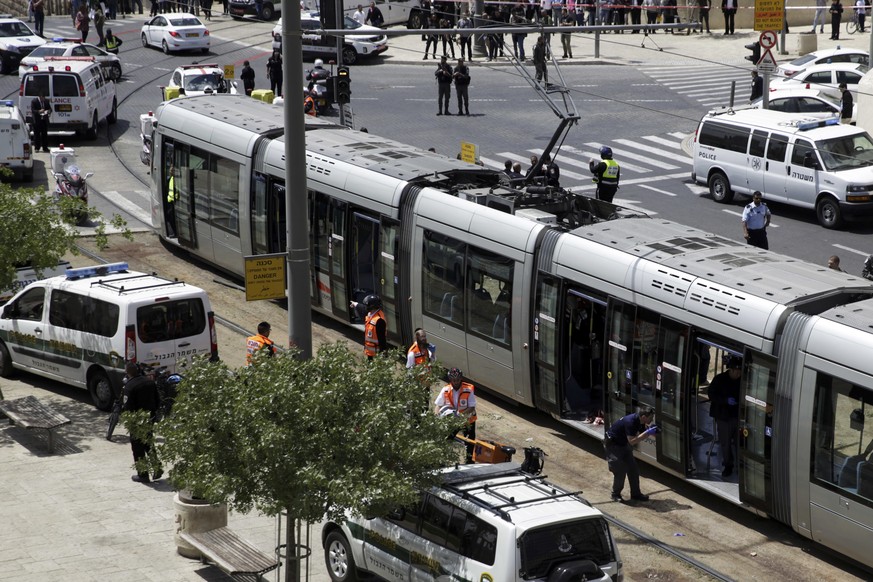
<point x="265" y="277"/>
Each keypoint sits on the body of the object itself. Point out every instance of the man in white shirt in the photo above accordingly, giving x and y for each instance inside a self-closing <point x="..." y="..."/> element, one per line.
<point x="359" y="16"/>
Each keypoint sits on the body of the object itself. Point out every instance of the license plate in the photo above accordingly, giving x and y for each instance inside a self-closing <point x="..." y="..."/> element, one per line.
<point x="192" y="34"/>
<point x="67" y="107"/>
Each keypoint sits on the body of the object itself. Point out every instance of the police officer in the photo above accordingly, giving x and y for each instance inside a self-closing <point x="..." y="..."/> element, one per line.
<point x="111" y="42"/>
<point x="171" y="203"/>
<point x="620" y="440"/>
<point x="462" y="83"/>
<point x="756" y="219"/>
<point x="247" y="75"/>
<point x="259" y="341"/>
<point x="420" y="353"/>
<point x="443" y="76"/>
<point x="724" y="407"/>
<point x="375" y="326"/>
<point x="606" y="174"/>
<point x="140" y="393"/>
<point x="40" y="110"/>
<point x="459" y="398"/>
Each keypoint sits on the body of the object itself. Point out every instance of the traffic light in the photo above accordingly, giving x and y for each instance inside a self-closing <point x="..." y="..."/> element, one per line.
<point x="756" y="53"/>
<point x="343" y="85"/>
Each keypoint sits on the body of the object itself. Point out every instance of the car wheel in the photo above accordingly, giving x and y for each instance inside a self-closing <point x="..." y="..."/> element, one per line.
<point x="267" y="11"/>
<point x="338" y="558"/>
<point x="720" y="188"/>
<point x="205" y="51"/>
<point x="145" y="41"/>
<point x="113" y="114"/>
<point x="414" y="22"/>
<point x="101" y="390"/>
<point x="91" y="133"/>
<point x="350" y="55"/>
<point x="828" y="212"/>
<point x="165" y="47"/>
<point x="5" y="361"/>
<point x="115" y="72"/>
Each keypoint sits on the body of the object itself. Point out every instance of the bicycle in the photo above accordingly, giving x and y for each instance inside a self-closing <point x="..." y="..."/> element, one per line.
<point x="852" y="25"/>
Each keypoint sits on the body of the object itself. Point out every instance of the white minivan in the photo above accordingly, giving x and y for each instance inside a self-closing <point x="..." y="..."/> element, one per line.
<point x="790" y="158"/>
<point x="81" y="95"/>
<point x="16" y="152"/>
<point x="80" y="328"/>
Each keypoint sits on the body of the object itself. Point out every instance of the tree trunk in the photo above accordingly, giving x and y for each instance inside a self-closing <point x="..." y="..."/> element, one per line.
<point x="292" y="560"/>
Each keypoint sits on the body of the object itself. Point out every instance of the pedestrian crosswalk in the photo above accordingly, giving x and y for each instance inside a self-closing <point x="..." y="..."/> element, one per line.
<point x="643" y="160"/>
<point x="707" y="84"/>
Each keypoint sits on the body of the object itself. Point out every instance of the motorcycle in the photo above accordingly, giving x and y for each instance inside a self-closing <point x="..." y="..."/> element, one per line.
<point x="320" y="86"/>
<point x="168" y="387"/>
<point x="70" y="183"/>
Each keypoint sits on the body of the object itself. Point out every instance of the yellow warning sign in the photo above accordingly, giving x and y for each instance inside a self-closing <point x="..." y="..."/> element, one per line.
<point x="769" y="14"/>
<point x="228" y="71"/>
<point x="265" y="277"/>
<point x="469" y="152"/>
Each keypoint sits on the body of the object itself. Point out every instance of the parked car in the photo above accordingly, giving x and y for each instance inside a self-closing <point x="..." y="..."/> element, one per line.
<point x="371" y="41"/>
<point x="826" y="77"/>
<point x="814" y="103"/>
<point x="200" y="79"/>
<point x="16" y="42"/>
<point x="175" y="32"/>
<point x="823" y="57"/>
<point x="67" y="47"/>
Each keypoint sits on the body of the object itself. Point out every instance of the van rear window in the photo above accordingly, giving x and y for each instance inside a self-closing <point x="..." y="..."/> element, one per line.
<point x="65" y="86"/>
<point x="170" y="320"/>
<point x="724" y="136"/>
<point x="544" y="548"/>
<point x="36" y="84"/>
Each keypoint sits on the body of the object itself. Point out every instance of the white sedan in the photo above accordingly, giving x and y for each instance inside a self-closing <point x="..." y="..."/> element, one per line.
<point x="826" y="77"/>
<point x="823" y="57"/>
<point x="176" y="32"/>
<point x="812" y="102"/>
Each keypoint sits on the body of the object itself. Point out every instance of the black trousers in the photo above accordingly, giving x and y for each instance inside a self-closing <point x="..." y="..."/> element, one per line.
<point x="623" y="466"/>
<point x="758" y="238"/>
<point x="40" y="135"/>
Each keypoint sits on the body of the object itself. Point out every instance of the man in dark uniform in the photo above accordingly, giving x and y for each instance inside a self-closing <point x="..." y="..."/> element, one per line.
<point x="40" y="110"/>
<point x="140" y="393"/>
<point x="757" y="87"/>
<point x="247" y="76"/>
<point x="443" y="76"/>
<point x="462" y="83"/>
<point x="847" y="104"/>
<point x="724" y="407"/>
<point x="620" y="440"/>
<point x="606" y="174"/>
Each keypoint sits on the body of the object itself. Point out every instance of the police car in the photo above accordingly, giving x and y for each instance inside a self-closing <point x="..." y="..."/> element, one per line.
<point x="485" y="523"/>
<point x="16" y="42"/>
<point x="372" y="41"/>
<point x="80" y="328"/>
<point x="200" y="79"/>
<point x="71" y="47"/>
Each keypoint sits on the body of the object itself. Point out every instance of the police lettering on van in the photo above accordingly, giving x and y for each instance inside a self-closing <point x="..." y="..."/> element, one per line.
<point x="817" y="164"/>
<point x="81" y="328"/>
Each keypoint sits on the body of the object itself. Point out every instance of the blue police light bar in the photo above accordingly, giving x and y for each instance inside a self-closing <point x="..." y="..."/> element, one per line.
<point x="807" y="125"/>
<point x="97" y="271"/>
<point x="8" y="103"/>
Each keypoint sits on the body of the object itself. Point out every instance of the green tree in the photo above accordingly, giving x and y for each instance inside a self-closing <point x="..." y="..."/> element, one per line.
<point x="33" y="232"/>
<point x="314" y="438"/>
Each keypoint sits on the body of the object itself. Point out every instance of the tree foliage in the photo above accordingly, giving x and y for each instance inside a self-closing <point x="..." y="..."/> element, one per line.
<point x="311" y="437"/>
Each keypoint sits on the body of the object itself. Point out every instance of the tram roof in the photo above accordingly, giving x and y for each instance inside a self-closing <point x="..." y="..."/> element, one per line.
<point x="711" y="257"/>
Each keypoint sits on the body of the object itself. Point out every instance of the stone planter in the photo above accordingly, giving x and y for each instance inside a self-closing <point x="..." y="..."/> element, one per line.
<point x="806" y="43"/>
<point x="194" y="515"/>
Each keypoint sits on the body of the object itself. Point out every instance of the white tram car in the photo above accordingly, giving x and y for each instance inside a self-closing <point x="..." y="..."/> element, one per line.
<point x="557" y="302"/>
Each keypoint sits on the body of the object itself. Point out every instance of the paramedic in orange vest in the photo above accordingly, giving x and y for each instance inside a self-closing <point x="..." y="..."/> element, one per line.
<point x="259" y="342"/>
<point x="458" y="398"/>
<point x="420" y="353"/>
<point x="375" y="326"/>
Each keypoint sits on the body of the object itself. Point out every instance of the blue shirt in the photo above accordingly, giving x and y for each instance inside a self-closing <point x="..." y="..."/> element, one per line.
<point x="756" y="217"/>
<point x="621" y="429"/>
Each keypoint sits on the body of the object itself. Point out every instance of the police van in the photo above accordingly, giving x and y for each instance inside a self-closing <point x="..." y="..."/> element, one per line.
<point x="81" y="328"/>
<point x="15" y="147"/>
<point x="790" y="158"/>
<point x="80" y="93"/>
<point x="484" y="523"/>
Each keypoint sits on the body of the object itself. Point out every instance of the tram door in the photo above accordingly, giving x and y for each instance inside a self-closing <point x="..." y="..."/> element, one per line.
<point x="757" y="400"/>
<point x="269" y="231"/>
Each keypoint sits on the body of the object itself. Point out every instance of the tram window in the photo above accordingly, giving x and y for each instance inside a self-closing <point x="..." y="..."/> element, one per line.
<point x="224" y="187"/>
<point x="489" y="293"/>
<point x="645" y="357"/>
<point x="442" y="277"/>
<point x="320" y="231"/>
<point x="842" y="448"/>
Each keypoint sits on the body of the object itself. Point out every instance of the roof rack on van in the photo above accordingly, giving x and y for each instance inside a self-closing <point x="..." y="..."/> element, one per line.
<point x="96" y="271"/>
<point x="121" y="284"/>
<point x="536" y="481"/>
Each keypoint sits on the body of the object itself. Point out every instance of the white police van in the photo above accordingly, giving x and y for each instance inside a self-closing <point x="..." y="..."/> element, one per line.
<point x="485" y="523"/>
<point x="16" y="152"/>
<point x="81" y="328"/>
<point x="790" y="158"/>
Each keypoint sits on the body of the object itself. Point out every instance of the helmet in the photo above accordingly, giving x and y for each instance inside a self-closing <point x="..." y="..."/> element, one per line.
<point x="733" y="362"/>
<point x="605" y="152"/>
<point x="318" y="63"/>
<point x="455" y="374"/>
<point x="372" y="302"/>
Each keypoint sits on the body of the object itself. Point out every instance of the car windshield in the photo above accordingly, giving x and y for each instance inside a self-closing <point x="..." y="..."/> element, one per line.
<point x="847" y="152"/>
<point x="48" y="51"/>
<point x="544" y="548"/>
<point x="350" y="23"/>
<point x="185" y="22"/>
<point x="202" y="82"/>
<point x="9" y="29"/>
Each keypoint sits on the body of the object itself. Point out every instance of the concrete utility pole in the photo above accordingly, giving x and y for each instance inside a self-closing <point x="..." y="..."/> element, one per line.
<point x="299" y="310"/>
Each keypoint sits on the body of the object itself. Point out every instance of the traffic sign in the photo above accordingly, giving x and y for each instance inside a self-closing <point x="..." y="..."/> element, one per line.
<point x="768" y="39"/>
<point x="767" y="64"/>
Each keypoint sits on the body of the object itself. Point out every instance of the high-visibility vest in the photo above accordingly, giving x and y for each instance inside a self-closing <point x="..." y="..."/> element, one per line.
<point x="421" y="356"/>
<point x="309" y="106"/>
<point x="171" y="190"/>
<point x="464" y="393"/>
<point x="111" y="42"/>
<point x="371" y="339"/>
<point x="610" y="174"/>
<point x="256" y="343"/>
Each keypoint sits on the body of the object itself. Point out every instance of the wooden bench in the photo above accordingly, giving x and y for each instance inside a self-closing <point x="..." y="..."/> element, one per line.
<point x="230" y="553"/>
<point x="29" y="412"/>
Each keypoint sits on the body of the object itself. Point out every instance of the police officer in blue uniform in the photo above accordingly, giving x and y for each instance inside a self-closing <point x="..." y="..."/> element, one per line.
<point x="756" y="219"/>
<point x="620" y="440"/>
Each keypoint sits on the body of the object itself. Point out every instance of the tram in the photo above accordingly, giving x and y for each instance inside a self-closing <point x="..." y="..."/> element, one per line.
<point x="556" y="301"/>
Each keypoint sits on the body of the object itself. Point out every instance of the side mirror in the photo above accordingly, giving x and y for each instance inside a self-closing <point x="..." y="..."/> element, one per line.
<point x="88" y="175"/>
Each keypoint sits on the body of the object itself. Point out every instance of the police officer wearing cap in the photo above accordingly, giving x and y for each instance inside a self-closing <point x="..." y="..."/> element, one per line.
<point x="756" y="219"/>
<point x="459" y="398"/>
<point x="375" y="325"/>
<point x="606" y="174"/>
<point x="724" y="408"/>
